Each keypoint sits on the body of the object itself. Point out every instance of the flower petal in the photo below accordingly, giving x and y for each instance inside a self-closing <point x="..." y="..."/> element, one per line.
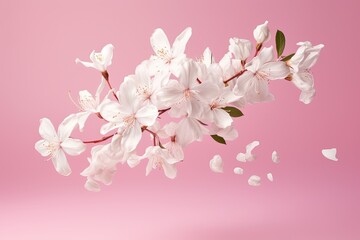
<point x="221" y="118"/>
<point x="147" y="115"/>
<point x="86" y="64"/>
<point x="216" y="164"/>
<point x="47" y="131"/>
<point x="238" y="170"/>
<point x="42" y="147"/>
<point x="107" y="54"/>
<point x="110" y="111"/>
<point x="307" y="96"/>
<point x="61" y="164"/>
<point x="241" y="157"/>
<point x="270" y="177"/>
<point x="73" y="147"/>
<point x="169" y="170"/>
<point x="275" y="157"/>
<point x="160" y="43"/>
<point x="131" y="137"/>
<point x="180" y="42"/>
<point x="254" y="181"/>
<point x="92" y="185"/>
<point x="330" y="154"/>
<point x="275" y="70"/>
<point x="67" y="126"/>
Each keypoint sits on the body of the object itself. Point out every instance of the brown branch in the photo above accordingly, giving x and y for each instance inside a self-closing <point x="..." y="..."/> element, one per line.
<point x="100" y="140"/>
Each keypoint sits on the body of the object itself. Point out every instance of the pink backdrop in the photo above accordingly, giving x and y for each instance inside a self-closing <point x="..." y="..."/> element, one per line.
<point x="311" y="197"/>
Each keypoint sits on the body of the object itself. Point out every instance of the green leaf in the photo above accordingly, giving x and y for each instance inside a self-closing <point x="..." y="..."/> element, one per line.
<point x="280" y="42"/>
<point x="218" y="139"/>
<point x="233" y="111"/>
<point x="288" y="57"/>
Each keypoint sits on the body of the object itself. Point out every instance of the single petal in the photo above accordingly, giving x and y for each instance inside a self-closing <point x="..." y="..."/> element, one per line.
<point x="81" y="119"/>
<point x="270" y="177"/>
<point x="92" y="185"/>
<point x="73" y="147"/>
<point x="251" y="146"/>
<point x="238" y="170"/>
<point x="307" y="96"/>
<point x="160" y="43"/>
<point x="42" y="146"/>
<point x="107" y="127"/>
<point x="110" y="111"/>
<point x="60" y="163"/>
<point x="147" y="115"/>
<point x="180" y="42"/>
<point x="254" y="181"/>
<point x="86" y="64"/>
<point x="47" y="131"/>
<point x="221" y="118"/>
<point x="275" y="157"/>
<point x="216" y="164"/>
<point x="131" y="137"/>
<point x="275" y="70"/>
<point x="330" y="154"/>
<point x="67" y="126"/>
<point x="169" y="170"/>
<point x="107" y="54"/>
<point x="241" y="157"/>
<point x="303" y="80"/>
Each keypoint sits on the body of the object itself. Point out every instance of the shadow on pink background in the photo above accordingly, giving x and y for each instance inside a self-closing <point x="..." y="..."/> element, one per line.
<point x="310" y="198"/>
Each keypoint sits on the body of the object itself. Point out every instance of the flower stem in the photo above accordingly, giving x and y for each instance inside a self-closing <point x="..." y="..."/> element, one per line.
<point x="235" y="76"/>
<point x="100" y="140"/>
<point x="105" y="74"/>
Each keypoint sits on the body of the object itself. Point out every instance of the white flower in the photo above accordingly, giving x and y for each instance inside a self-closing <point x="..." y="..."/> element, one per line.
<point x="300" y="65"/>
<point x="262" y="33"/>
<point x="160" y="158"/>
<point x="88" y="104"/>
<point x="330" y="154"/>
<point x="240" y="48"/>
<point x="216" y="164"/>
<point x="174" y="147"/>
<point x="56" y="144"/>
<point x="248" y="156"/>
<point x="167" y="58"/>
<point x="253" y="84"/>
<point x="128" y="117"/>
<point x="99" y="60"/>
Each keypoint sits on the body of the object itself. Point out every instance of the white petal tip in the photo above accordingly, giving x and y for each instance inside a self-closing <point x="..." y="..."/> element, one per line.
<point x="330" y="154"/>
<point x="238" y="170"/>
<point x="77" y="61"/>
<point x="270" y="177"/>
<point x="254" y="181"/>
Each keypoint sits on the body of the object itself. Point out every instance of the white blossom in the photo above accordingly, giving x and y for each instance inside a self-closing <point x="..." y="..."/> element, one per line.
<point x="99" y="60"/>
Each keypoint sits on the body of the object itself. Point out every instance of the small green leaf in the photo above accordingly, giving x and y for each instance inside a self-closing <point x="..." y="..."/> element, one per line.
<point x="280" y="42"/>
<point x="218" y="139"/>
<point x="288" y="57"/>
<point x="233" y="111"/>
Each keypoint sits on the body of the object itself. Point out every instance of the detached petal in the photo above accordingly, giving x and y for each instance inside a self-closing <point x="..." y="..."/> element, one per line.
<point x="61" y="164"/>
<point x="216" y="164"/>
<point x="73" y="147"/>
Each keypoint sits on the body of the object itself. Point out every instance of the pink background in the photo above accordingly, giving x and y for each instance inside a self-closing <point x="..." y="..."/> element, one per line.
<point x="311" y="197"/>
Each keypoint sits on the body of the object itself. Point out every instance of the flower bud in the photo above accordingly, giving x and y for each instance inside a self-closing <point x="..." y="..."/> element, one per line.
<point x="240" y="48"/>
<point x="262" y="33"/>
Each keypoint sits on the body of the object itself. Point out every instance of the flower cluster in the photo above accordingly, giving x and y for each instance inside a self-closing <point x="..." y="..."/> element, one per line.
<point x="202" y="97"/>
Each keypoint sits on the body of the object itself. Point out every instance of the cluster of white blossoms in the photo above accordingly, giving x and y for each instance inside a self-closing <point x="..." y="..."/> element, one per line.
<point x="202" y="97"/>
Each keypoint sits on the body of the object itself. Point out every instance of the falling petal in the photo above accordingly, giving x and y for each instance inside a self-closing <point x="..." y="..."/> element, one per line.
<point x="270" y="177"/>
<point x="275" y="157"/>
<point x="238" y="170"/>
<point x="216" y="164"/>
<point x="241" y="157"/>
<point x="330" y="154"/>
<point x="254" y="181"/>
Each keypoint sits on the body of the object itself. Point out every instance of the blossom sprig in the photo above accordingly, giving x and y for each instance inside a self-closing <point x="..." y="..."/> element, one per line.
<point x="202" y="97"/>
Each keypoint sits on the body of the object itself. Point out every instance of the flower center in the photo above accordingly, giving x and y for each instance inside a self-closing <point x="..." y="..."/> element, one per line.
<point x="129" y="120"/>
<point x="99" y="57"/>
